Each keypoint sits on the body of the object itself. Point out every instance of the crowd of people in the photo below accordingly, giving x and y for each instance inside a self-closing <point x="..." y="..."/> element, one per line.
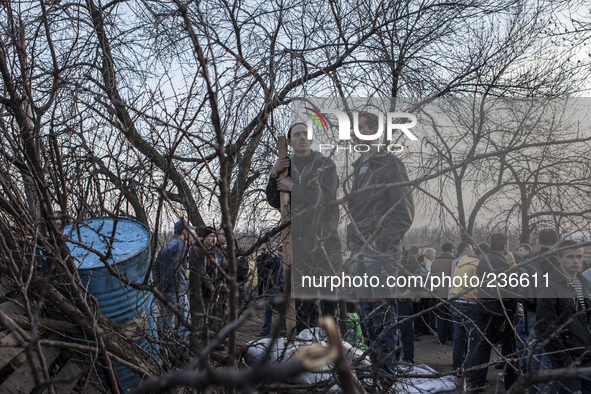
<point x="543" y="328"/>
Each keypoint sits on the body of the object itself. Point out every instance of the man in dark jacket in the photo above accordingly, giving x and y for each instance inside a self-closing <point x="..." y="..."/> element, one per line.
<point x="316" y="250"/>
<point x="441" y="266"/>
<point x="406" y="308"/>
<point x="392" y="209"/>
<point x="270" y="274"/>
<point x="539" y="264"/>
<point x="170" y="274"/>
<point x="491" y="311"/>
<point x="562" y="316"/>
<point x="207" y="290"/>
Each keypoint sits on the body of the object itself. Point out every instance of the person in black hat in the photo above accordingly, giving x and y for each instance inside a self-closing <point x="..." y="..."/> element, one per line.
<point x="170" y="275"/>
<point x="207" y="293"/>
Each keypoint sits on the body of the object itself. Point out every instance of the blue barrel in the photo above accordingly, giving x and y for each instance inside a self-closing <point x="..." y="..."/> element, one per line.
<point x="130" y="257"/>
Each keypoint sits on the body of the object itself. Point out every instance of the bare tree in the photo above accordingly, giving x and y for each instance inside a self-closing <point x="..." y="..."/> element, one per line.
<point x="168" y="110"/>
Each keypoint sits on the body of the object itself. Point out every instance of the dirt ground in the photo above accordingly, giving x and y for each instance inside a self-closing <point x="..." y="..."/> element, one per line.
<point x="428" y="351"/>
<point x="439" y="357"/>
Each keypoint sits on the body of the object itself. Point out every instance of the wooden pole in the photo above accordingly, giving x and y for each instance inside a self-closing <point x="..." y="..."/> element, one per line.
<point x="290" y="316"/>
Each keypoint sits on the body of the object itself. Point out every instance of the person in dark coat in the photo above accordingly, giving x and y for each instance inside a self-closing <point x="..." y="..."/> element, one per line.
<point x="538" y="263"/>
<point x="208" y="293"/>
<point x="563" y="316"/>
<point x="170" y="275"/>
<point x="441" y="266"/>
<point x="491" y="310"/>
<point x="312" y="182"/>
<point x="383" y="255"/>
<point x="270" y="274"/>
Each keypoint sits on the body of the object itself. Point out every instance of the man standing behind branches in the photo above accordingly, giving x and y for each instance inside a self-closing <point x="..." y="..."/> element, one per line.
<point x="394" y="208"/>
<point x="271" y="283"/>
<point x="464" y="311"/>
<point x="170" y="274"/>
<point x="312" y="182"/>
<point x="492" y="314"/>
<point x="563" y="318"/>
<point x="441" y="266"/>
<point x="207" y="291"/>
<point x="538" y="265"/>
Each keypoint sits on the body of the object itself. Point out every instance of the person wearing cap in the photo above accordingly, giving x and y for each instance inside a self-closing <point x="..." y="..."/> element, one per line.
<point x="441" y="265"/>
<point x="204" y="276"/>
<point x="170" y="275"/>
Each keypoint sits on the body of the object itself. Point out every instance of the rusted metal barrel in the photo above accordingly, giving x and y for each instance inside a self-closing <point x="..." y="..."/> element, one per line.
<point x="128" y="242"/>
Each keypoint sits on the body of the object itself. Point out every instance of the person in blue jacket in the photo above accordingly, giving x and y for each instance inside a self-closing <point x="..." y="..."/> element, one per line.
<point x="170" y="276"/>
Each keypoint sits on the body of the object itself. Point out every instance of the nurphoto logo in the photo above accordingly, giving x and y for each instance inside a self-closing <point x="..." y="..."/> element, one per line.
<point x="345" y="124"/>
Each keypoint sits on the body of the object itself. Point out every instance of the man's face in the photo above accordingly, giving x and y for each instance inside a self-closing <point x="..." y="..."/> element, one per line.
<point x="364" y="128"/>
<point x="222" y="238"/>
<point x="299" y="141"/>
<point x="209" y="241"/>
<point x="184" y="235"/>
<point x="469" y="251"/>
<point x="571" y="261"/>
<point x="522" y="251"/>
